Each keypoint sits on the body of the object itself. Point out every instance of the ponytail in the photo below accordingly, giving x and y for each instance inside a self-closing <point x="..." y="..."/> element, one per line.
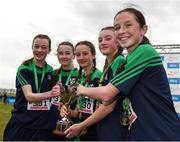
<point x="145" y="40"/>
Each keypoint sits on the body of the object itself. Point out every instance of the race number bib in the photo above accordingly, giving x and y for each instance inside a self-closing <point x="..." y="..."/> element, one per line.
<point x="98" y="103"/>
<point x="87" y="106"/>
<point x="56" y="100"/>
<point x="42" y="105"/>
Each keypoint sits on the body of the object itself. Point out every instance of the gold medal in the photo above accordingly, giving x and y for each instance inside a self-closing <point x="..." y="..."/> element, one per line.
<point x="124" y="119"/>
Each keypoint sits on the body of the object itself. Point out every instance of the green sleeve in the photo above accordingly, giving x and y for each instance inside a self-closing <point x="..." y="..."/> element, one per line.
<point x="117" y="63"/>
<point x="142" y="57"/>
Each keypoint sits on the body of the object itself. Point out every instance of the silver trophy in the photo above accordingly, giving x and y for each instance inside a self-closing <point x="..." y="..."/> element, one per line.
<point x="67" y="97"/>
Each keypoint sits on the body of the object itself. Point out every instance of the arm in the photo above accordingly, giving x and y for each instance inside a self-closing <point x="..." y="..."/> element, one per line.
<point x="98" y="115"/>
<point x="104" y="93"/>
<point x="33" y="97"/>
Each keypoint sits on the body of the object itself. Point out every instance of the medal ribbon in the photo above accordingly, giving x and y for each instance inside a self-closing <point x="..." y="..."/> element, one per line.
<point x="124" y="118"/>
<point x="38" y="87"/>
<point x="128" y="112"/>
<point x="126" y="102"/>
<point x="68" y="79"/>
<point x="82" y="98"/>
<point x="103" y="75"/>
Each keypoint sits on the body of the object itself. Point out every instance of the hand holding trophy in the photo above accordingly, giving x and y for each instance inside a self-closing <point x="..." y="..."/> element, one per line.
<point x="67" y="97"/>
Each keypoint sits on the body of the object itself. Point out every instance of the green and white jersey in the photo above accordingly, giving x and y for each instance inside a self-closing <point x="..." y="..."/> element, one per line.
<point x="109" y="128"/>
<point x="141" y="58"/>
<point x="33" y="115"/>
<point x="88" y="105"/>
<point x="144" y="82"/>
<point x="111" y="70"/>
<point x="66" y="77"/>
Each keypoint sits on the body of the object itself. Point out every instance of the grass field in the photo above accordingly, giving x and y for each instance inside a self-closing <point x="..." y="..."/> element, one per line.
<point x="5" y="113"/>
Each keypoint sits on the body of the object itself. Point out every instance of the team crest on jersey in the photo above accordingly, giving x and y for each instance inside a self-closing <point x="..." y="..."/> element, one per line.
<point x="49" y="77"/>
<point x="72" y="81"/>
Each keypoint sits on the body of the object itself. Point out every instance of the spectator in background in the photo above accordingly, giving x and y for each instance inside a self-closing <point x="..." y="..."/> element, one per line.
<point x="4" y="97"/>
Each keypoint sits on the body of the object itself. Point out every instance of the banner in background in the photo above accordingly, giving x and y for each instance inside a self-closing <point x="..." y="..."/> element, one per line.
<point x="171" y="62"/>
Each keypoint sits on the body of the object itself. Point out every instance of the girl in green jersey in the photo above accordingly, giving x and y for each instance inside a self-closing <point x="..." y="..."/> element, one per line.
<point x="89" y="76"/>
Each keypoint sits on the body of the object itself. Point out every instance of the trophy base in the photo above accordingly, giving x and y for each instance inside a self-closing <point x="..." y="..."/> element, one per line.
<point x="63" y="124"/>
<point x="57" y="132"/>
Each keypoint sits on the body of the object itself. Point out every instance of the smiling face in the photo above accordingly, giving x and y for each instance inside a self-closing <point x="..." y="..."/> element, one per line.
<point x="40" y="49"/>
<point x="128" y="30"/>
<point x="84" y="56"/>
<point x="65" y="55"/>
<point x="107" y="42"/>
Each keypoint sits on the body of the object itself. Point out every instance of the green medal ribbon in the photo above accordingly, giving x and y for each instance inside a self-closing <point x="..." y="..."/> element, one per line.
<point x="77" y="138"/>
<point x="124" y="118"/>
<point x="103" y="75"/>
<point x="68" y="79"/>
<point x="82" y="98"/>
<point x="81" y="101"/>
<point x="38" y="87"/>
<point x="126" y="103"/>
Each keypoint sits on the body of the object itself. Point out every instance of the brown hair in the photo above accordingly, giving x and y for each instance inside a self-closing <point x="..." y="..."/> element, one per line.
<point x="93" y="52"/>
<point x="139" y="18"/>
<point x="66" y="43"/>
<point x="41" y="36"/>
<point x="142" y="22"/>
<point x="120" y="49"/>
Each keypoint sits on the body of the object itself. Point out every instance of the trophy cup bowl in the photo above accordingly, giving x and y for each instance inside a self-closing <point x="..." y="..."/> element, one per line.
<point x="66" y="97"/>
<point x="63" y="124"/>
